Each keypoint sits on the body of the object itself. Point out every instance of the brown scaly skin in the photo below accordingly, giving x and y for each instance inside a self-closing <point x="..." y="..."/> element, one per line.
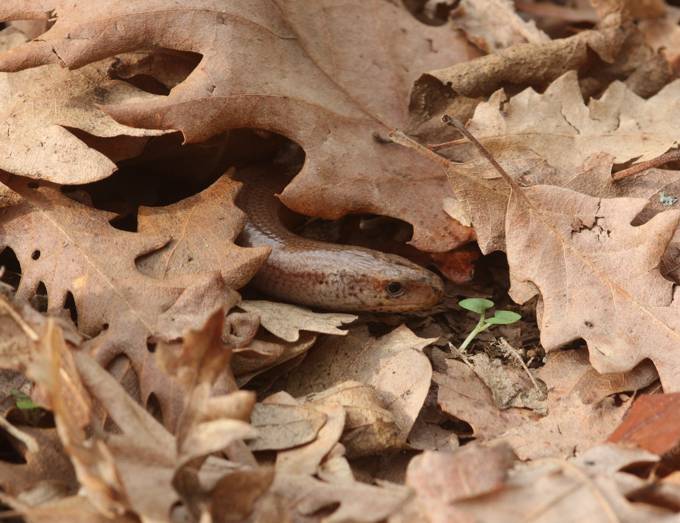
<point x="326" y="275"/>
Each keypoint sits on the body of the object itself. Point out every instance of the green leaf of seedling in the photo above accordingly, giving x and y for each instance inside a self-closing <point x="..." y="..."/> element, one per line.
<point x="503" y="318"/>
<point x="478" y="305"/>
<point x="23" y="401"/>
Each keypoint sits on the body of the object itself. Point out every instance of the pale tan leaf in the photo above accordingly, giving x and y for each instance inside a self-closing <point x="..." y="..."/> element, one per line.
<point x="394" y="365"/>
<point x="285" y="426"/>
<point x="38" y="106"/>
<point x="493" y="24"/>
<point x="286" y="321"/>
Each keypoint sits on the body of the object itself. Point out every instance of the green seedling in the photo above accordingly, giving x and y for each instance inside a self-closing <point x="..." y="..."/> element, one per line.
<point x="480" y="306"/>
<point x="23" y="401"/>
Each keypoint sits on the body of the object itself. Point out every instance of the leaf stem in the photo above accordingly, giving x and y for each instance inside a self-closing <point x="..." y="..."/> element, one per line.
<point x="670" y="156"/>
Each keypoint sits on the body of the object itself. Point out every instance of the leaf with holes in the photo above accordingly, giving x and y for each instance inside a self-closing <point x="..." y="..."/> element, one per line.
<point x="72" y="250"/>
<point x="334" y="78"/>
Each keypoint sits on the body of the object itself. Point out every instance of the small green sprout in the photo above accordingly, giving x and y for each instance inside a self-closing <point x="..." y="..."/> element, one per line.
<point x="23" y="401"/>
<point x="480" y="306"/>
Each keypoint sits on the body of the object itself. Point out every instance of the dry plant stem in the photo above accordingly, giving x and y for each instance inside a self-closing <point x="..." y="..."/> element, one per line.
<point x="450" y="120"/>
<point x="511" y="350"/>
<point x="462" y="356"/>
<point x="670" y="156"/>
<point x="438" y="146"/>
<point x="19" y="320"/>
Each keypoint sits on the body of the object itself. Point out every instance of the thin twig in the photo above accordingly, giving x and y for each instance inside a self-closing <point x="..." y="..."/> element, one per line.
<point x="462" y="356"/>
<point x="28" y="330"/>
<point x="511" y="350"/>
<point x="450" y="120"/>
<point x="670" y="156"/>
<point x="444" y="145"/>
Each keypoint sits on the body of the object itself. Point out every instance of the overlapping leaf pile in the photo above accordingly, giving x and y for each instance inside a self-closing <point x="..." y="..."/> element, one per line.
<point x="124" y="399"/>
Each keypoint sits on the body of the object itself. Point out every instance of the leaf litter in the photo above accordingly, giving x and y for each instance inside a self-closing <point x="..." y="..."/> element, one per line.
<point x="139" y="385"/>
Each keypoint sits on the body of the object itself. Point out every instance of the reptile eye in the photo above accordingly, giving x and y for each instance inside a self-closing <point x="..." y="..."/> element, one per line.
<point x="395" y="289"/>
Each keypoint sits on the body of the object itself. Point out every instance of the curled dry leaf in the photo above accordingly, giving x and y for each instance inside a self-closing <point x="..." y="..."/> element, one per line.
<point x="538" y="64"/>
<point x="338" y="116"/>
<point x="493" y="24"/>
<point x="262" y="355"/>
<point x="286" y="321"/>
<point x="39" y="106"/>
<point x="369" y="427"/>
<point x="394" y="365"/>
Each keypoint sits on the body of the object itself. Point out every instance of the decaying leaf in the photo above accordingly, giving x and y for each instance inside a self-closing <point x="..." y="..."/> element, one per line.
<point x="589" y="488"/>
<point x="394" y="365"/>
<point x="494" y="24"/>
<point x="39" y="106"/>
<point x="337" y="117"/>
<point x="77" y="251"/>
<point x="370" y="428"/>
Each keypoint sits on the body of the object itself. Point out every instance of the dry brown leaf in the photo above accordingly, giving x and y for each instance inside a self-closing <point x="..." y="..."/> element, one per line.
<point x="286" y="321"/>
<point x="590" y="488"/>
<point x="356" y="502"/>
<point x="73" y="249"/>
<point x="493" y="24"/>
<point x="614" y="50"/>
<point x="463" y="395"/>
<point x="263" y="355"/>
<point x="203" y="228"/>
<point x="442" y="478"/>
<point x="559" y="126"/>
<point x="369" y="427"/>
<point x="393" y="364"/>
<point x="285" y="426"/>
<point x="652" y="424"/>
<point x="571" y="426"/>
<point x="307" y="459"/>
<point x="567" y="247"/>
<point x="577" y="145"/>
<point x="283" y="76"/>
<point x="39" y="106"/>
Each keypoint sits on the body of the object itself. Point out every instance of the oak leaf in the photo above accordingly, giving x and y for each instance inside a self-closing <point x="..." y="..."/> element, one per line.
<point x="71" y="248"/>
<point x="38" y="107"/>
<point x="568" y="248"/>
<point x="310" y="74"/>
